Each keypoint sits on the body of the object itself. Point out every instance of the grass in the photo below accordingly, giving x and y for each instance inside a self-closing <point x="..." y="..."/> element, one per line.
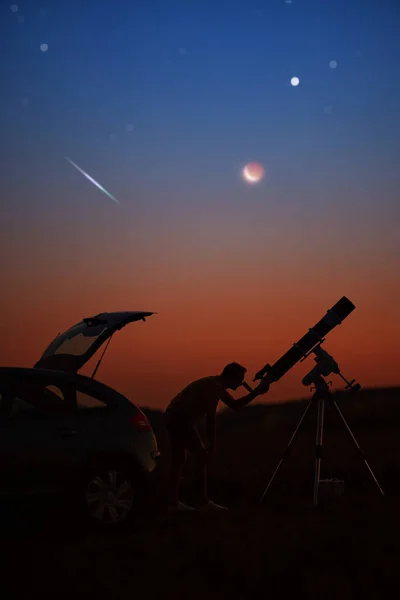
<point x="348" y="548"/>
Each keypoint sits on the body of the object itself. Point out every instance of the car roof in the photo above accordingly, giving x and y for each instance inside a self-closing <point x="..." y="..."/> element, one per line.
<point x="64" y="377"/>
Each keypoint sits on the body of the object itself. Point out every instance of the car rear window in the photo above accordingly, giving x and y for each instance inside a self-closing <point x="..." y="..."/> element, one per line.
<point x="86" y="401"/>
<point x="24" y="402"/>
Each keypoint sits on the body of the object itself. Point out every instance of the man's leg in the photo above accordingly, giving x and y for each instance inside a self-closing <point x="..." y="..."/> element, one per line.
<point x="179" y="434"/>
<point x="178" y="459"/>
<point x="196" y="447"/>
<point x="201" y="478"/>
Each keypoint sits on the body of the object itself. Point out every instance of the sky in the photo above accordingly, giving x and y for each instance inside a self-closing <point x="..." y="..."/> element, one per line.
<point x="163" y="103"/>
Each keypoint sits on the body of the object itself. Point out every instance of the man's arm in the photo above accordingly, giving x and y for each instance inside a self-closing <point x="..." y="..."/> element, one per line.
<point x="230" y="401"/>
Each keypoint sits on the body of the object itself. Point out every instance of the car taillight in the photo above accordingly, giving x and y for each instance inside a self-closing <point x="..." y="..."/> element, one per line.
<point x="140" y="422"/>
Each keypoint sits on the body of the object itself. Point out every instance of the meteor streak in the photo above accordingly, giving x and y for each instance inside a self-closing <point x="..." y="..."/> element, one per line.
<point x="92" y="180"/>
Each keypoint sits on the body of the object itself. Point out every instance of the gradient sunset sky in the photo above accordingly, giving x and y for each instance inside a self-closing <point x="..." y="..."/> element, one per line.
<point x="163" y="102"/>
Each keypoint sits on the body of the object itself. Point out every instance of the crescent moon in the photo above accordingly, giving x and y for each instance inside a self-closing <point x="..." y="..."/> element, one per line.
<point x="248" y="176"/>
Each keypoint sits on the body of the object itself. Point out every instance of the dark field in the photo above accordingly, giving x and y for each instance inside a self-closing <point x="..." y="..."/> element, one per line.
<point x="347" y="548"/>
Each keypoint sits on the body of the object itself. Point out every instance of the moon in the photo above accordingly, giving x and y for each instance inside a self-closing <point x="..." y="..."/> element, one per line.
<point x="253" y="172"/>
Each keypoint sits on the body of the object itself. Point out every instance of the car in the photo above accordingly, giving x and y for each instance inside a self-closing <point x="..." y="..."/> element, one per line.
<point x="64" y="432"/>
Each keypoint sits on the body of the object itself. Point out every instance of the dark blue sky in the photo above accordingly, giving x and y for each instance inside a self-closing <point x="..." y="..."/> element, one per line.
<point x="205" y="86"/>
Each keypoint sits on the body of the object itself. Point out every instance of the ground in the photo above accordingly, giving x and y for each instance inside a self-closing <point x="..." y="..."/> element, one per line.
<point x="346" y="548"/>
<point x="350" y="550"/>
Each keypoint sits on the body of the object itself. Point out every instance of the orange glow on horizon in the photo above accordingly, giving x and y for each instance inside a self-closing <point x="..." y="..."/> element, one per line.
<point x="220" y="300"/>
<point x="149" y="362"/>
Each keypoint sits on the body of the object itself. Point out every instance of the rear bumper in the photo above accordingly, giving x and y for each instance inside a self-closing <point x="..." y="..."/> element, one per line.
<point x="146" y="452"/>
<point x="151" y="464"/>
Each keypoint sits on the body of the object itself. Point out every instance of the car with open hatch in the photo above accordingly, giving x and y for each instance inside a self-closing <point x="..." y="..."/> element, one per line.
<point x="63" y="432"/>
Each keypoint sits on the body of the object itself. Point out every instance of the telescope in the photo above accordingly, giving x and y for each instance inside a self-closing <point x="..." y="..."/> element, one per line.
<point x="325" y="365"/>
<point x="303" y="348"/>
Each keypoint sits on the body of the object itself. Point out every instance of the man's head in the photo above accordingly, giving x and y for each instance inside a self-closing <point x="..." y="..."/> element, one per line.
<point x="233" y="375"/>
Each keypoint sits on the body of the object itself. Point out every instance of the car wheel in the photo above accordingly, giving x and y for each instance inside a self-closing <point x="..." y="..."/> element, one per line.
<point x="111" y="495"/>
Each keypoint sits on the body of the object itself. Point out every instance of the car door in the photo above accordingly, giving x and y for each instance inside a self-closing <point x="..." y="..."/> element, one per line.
<point x="37" y="433"/>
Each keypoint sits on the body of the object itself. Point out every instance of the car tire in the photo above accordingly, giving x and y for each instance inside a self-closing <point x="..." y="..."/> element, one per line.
<point x="111" y="495"/>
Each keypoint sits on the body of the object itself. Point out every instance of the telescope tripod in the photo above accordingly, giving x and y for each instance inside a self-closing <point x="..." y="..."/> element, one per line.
<point x="321" y="394"/>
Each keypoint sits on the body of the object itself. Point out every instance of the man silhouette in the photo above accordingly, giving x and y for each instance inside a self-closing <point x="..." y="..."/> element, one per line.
<point x="200" y="399"/>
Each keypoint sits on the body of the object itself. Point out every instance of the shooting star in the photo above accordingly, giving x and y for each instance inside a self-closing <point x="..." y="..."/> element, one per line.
<point x="92" y="180"/>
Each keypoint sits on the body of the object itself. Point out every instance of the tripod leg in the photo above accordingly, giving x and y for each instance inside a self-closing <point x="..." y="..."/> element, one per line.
<point x="358" y="447"/>
<point x="288" y="449"/>
<point x="318" y="451"/>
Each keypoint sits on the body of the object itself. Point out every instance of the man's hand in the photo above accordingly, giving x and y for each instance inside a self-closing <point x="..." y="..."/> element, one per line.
<point x="262" y="387"/>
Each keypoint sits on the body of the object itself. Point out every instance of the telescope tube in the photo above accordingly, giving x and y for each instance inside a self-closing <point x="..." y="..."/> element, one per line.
<point x="333" y="317"/>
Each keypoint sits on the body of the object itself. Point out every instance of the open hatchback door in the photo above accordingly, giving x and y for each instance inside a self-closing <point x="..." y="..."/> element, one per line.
<point x="71" y="350"/>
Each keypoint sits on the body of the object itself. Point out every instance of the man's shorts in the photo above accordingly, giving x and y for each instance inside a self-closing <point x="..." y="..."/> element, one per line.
<point x="183" y="435"/>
